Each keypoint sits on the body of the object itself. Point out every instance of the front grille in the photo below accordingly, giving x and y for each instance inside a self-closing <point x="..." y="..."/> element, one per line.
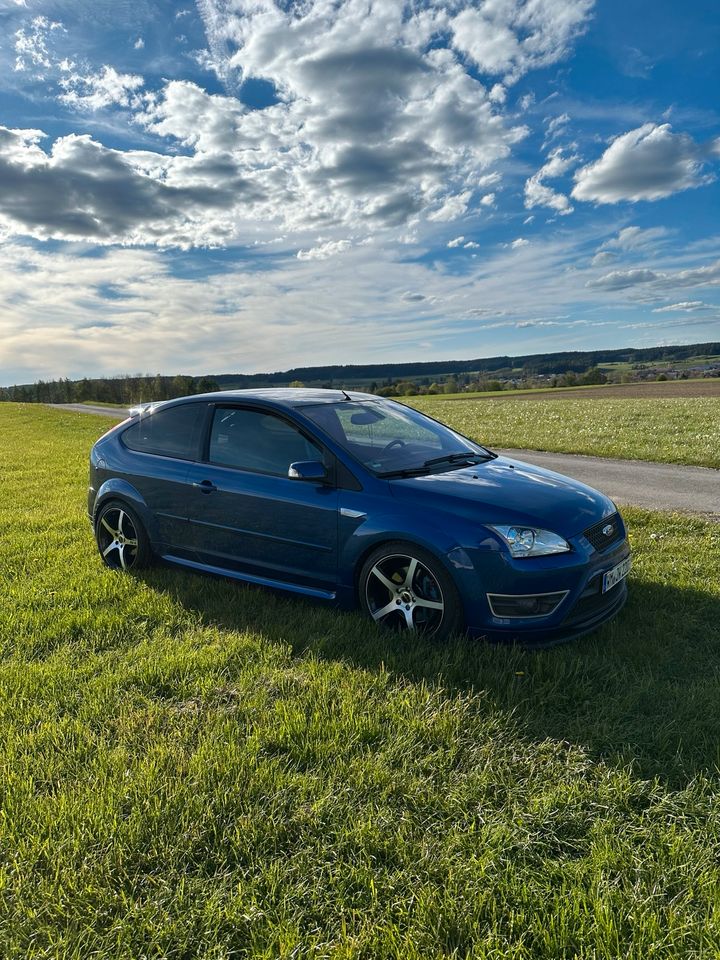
<point x="601" y="541"/>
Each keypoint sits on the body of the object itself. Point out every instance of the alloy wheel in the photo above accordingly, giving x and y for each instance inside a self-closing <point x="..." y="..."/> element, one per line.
<point x="117" y="539"/>
<point x="404" y="594"/>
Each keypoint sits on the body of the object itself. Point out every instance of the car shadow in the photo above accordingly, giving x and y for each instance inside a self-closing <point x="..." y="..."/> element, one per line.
<point x="642" y="691"/>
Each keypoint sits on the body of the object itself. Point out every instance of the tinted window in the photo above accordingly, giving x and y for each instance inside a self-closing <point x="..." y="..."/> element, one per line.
<point x="258" y="441"/>
<point x="174" y="432"/>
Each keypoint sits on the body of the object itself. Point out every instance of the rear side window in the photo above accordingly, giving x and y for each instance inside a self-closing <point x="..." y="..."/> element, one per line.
<point x="174" y="432"/>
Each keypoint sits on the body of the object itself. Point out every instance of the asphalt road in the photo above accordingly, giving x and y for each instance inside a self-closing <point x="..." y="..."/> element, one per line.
<point x="117" y="413"/>
<point x="655" y="486"/>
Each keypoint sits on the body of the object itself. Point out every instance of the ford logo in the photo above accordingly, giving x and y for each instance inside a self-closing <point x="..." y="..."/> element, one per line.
<point x="608" y="530"/>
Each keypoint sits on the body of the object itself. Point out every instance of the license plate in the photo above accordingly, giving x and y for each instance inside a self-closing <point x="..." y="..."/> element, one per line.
<point x="611" y="578"/>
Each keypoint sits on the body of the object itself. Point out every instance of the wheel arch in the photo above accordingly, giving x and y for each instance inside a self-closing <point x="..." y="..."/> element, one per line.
<point x="395" y="538"/>
<point x="124" y="492"/>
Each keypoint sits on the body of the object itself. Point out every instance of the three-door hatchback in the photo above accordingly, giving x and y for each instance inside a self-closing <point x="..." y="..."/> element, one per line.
<point x="362" y="501"/>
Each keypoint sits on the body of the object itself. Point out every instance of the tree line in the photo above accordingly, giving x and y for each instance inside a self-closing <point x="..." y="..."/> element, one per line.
<point x="124" y="390"/>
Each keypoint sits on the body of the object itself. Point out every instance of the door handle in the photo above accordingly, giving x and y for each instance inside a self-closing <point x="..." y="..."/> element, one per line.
<point x="205" y="486"/>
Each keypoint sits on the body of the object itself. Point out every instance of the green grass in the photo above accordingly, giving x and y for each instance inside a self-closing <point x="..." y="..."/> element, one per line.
<point x="192" y="769"/>
<point x="676" y="430"/>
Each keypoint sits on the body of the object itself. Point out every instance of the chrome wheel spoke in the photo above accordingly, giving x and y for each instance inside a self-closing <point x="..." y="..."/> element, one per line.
<point x="432" y="604"/>
<point x="121" y="551"/>
<point x="113" y="533"/>
<point x="408" y="614"/>
<point x="384" y="611"/>
<point x="377" y="572"/>
<point x="410" y="575"/>
<point x="130" y="543"/>
<point x="121" y="517"/>
<point x="112" y="546"/>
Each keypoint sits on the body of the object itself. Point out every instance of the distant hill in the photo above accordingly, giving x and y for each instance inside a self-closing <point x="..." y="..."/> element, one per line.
<point x="378" y="377"/>
<point x="529" y="365"/>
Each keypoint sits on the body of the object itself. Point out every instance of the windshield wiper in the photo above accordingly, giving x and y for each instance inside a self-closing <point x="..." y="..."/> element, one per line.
<point x="403" y="472"/>
<point x="457" y="457"/>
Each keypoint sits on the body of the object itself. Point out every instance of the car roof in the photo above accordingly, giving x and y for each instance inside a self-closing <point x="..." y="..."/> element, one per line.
<point x="285" y="396"/>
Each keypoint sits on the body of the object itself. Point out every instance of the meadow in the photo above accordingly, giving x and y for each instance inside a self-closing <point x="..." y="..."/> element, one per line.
<point x="667" y="429"/>
<point x="193" y="769"/>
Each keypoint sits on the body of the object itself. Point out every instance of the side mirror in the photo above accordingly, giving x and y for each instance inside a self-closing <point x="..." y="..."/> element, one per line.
<point x="307" y="470"/>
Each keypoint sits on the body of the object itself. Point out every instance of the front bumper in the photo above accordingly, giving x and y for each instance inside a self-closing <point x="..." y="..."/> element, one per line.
<point x="578" y="623"/>
<point x="579" y="573"/>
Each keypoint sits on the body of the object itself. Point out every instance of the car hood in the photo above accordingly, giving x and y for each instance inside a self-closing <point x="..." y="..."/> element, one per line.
<point x="509" y="491"/>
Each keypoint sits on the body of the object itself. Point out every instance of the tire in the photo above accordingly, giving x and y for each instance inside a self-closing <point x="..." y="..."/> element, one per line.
<point x="405" y="587"/>
<point x="121" y="537"/>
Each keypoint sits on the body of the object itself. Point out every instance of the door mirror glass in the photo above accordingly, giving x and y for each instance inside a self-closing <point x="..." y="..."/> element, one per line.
<point x="307" y="470"/>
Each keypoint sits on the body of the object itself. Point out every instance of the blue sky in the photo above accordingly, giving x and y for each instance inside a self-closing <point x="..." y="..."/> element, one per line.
<point x="245" y="185"/>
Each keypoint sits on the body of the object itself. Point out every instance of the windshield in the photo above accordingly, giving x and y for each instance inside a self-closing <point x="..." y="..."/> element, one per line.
<point x="389" y="438"/>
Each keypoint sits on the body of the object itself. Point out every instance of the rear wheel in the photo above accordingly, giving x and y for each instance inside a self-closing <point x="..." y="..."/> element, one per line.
<point x="404" y="587"/>
<point x="121" y="537"/>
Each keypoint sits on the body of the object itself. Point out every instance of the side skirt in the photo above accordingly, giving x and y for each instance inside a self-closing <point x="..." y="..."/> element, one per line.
<point x="251" y="578"/>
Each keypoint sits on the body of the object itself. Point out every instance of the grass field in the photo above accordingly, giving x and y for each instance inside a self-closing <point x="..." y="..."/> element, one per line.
<point x="705" y="387"/>
<point x="191" y="769"/>
<point x="671" y="430"/>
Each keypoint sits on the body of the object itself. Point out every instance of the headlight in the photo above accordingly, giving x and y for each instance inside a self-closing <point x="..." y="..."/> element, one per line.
<point x="531" y="542"/>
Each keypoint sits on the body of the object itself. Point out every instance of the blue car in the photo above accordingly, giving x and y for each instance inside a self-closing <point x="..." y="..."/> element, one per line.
<point x="359" y="501"/>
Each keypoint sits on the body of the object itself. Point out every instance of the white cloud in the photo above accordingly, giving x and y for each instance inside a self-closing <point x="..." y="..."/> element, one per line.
<point x="471" y="245"/>
<point x="635" y="238"/>
<point x="511" y="38"/>
<point x="33" y="43"/>
<point x="96" y="92"/>
<point x="488" y="200"/>
<point x="519" y="242"/>
<point x="452" y="208"/>
<point x="457" y="242"/>
<point x="139" y="44"/>
<point x="324" y="250"/>
<point x="407" y="138"/>
<point x="648" y="163"/>
<point x="57" y="319"/>
<point x="708" y="275"/>
<point x="538" y="194"/>
<point x="686" y="306"/>
<point x="81" y="190"/>
<point x="555" y="127"/>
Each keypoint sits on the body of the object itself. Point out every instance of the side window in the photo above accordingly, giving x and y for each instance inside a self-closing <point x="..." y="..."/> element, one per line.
<point x="257" y="441"/>
<point x="174" y="432"/>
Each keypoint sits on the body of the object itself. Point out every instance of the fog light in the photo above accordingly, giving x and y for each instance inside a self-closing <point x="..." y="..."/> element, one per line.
<point x="516" y="606"/>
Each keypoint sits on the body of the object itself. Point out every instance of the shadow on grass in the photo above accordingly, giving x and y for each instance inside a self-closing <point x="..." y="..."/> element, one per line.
<point x="644" y="690"/>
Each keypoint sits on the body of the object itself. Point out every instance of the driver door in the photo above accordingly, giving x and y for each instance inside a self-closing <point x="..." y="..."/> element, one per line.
<point x="246" y="514"/>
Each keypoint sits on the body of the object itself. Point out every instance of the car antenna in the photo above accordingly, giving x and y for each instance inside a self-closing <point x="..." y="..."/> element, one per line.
<point x="345" y="393"/>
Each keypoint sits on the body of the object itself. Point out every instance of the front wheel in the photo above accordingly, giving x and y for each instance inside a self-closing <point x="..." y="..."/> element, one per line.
<point x="121" y="537"/>
<point x="404" y="587"/>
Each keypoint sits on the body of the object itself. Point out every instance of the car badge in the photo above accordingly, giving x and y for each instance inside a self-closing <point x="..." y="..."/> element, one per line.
<point x="608" y="530"/>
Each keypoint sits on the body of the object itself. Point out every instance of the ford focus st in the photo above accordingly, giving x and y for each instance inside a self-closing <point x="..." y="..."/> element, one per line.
<point x="360" y="501"/>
